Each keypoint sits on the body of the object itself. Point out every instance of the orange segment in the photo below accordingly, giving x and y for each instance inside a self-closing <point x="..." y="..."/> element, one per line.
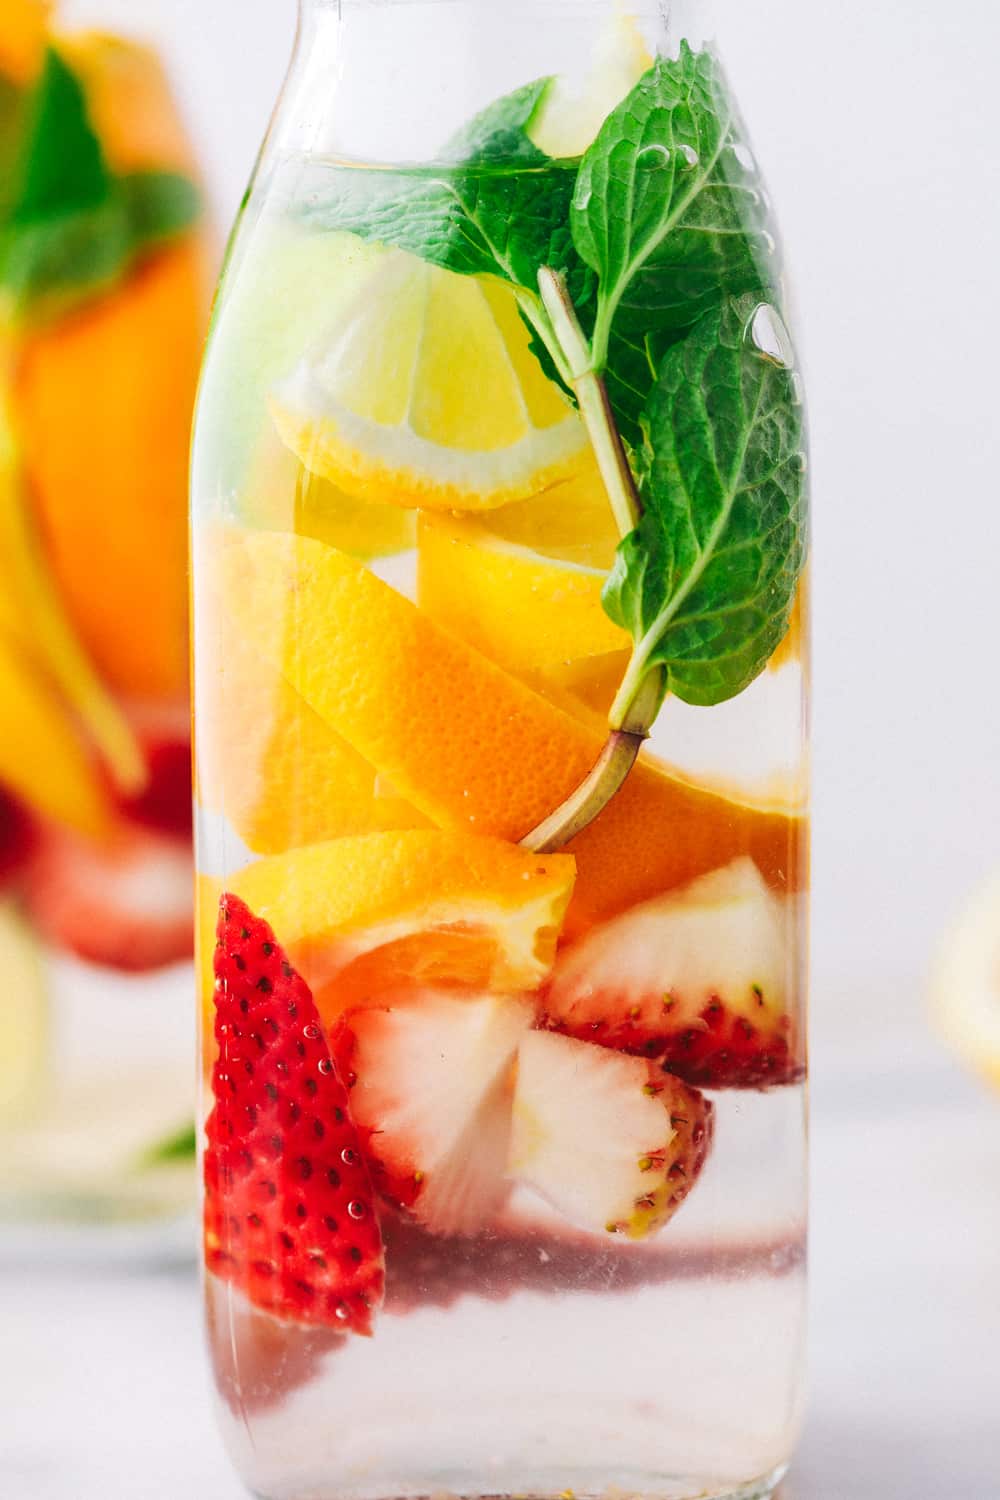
<point x="22" y="38"/>
<point x="790" y="649"/>
<point x="103" y="404"/>
<point x="129" y="102"/>
<point x="453" y="907"/>
<point x="473" y="747"/>
<point x="265" y="759"/>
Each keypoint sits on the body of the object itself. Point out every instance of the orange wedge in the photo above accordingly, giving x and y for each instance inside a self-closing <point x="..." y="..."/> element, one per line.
<point x="471" y="746"/>
<point x="22" y="38"/>
<point x="265" y="759"/>
<point x="790" y="648"/>
<point x="423" y="904"/>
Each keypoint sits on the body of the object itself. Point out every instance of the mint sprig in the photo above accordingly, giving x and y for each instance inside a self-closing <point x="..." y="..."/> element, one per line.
<point x="643" y="271"/>
<point x="704" y="583"/>
<point x="70" y="227"/>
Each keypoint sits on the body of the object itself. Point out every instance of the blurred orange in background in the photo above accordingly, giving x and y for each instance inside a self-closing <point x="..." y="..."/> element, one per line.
<point x="103" y="291"/>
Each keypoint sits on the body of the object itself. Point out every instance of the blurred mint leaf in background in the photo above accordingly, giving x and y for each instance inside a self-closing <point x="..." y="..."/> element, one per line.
<point x="69" y="226"/>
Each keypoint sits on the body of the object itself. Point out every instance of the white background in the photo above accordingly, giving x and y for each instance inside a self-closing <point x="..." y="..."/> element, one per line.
<point x="877" y="123"/>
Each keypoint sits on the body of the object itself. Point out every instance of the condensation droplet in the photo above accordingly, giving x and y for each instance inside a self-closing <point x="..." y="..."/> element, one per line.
<point x="654" y="158"/>
<point x="768" y="334"/>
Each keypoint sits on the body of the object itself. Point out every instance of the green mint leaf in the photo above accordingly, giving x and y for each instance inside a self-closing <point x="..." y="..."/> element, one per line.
<point x="62" y="168"/>
<point x="159" y="206"/>
<point x="705" y="583"/>
<point x="181" y="1146"/>
<point x="497" y="206"/>
<point x="500" y="131"/>
<point x="70" y="228"/>
<point x="669" y="212"/>
<point x="12" y="111"/>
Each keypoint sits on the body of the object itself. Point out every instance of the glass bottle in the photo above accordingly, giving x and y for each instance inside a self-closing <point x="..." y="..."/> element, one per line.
<point x="499" y="528"/>
<point x="106" y="257"/>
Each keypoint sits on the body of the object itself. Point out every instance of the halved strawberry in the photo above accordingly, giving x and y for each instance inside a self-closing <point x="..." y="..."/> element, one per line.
<point x="289" y="1211"/>
<point x="703" y="979"/>
<point x="610" y="1141"/>
<point x="127" y="904"/>
<point x="431" y="1089"/>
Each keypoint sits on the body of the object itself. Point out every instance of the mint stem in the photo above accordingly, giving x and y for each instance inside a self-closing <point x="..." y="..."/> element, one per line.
<point x="592" y="398"/>
<point x="621" y="749"/>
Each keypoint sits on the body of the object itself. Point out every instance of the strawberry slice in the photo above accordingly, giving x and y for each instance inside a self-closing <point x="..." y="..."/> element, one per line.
<point x="17" y="838"/>
<point x="431" y="1091"/>
<point x="289" y="1212"/>
<point x="164" y="804"/>
<point x="702" y="979"/>
<point x="610" y="1141"/>
<point x="127" y="904"/>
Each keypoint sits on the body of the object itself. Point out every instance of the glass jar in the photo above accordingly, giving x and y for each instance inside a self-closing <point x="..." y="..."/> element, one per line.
<point x="499" y="529"/>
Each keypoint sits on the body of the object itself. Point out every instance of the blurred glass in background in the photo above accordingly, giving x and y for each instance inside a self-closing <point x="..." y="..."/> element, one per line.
<point x="104" y="279"/>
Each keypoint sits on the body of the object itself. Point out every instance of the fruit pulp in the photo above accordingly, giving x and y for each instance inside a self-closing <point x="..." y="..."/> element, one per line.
<point x="403" y="665"/>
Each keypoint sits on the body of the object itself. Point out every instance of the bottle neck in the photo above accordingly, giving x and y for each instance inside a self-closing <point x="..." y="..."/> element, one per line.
<point x="390" y="81"/>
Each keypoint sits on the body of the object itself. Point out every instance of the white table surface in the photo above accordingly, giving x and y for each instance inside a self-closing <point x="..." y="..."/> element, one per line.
<point x="103" y="1387"/>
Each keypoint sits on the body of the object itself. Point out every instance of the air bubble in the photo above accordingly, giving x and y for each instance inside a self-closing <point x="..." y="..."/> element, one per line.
<point x="744" y="156"/>
<point x="690" y="155"/>
<point x="769" y="335"/>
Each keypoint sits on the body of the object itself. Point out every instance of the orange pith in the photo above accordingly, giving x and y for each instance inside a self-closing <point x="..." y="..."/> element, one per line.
<point x="473" y="747"/>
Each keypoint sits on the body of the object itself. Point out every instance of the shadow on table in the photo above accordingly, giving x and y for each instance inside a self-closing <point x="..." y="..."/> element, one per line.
<point x="888" y="1461"/>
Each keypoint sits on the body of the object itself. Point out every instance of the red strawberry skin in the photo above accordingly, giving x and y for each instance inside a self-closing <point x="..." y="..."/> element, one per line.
<point x="126" y="905"/>
<point x="17" y="838"/>
<point x="289" y="1208"/>
<point x="164" y="805"/>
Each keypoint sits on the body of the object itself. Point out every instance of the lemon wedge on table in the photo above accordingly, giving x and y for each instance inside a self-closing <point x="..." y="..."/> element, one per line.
<point x="965" y="989"/>
<point x="425" y="393"/>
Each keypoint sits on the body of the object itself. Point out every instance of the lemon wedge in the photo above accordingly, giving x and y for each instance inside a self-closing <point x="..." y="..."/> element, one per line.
<point x="574" y="111"/>
<point x="426" y="394"/>
<point x="965" y="989"/>
<point x="523" y="584"/>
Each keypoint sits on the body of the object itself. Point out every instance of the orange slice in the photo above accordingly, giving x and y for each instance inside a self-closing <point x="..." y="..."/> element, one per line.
<point x="471" y="746"/>
<point x="265" y="758"/>
<point x="423" y="904"/>
<point x="22" y="38"/>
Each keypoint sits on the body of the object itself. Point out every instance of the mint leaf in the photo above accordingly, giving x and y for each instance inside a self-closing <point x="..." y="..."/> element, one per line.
<point x="62" y="165"/>
<point x="158" y="206"/>
<point x="668" y="209"/>
<point x="71" y="227"/>
<point x="182" y="1146"/>
<point x="498" y="206"/>
<point x="500" y="131"/>
<point x="705" y="583"/>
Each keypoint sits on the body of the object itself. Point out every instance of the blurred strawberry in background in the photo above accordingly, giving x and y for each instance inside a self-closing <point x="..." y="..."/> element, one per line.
<point x="104" y="275"/>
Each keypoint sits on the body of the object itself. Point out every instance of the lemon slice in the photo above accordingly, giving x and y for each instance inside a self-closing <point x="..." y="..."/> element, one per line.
<point x="523" y="584"/>
<point x="966" y="983"/>
<point x="574" y="112"/>
<point x="426" y="394"/>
